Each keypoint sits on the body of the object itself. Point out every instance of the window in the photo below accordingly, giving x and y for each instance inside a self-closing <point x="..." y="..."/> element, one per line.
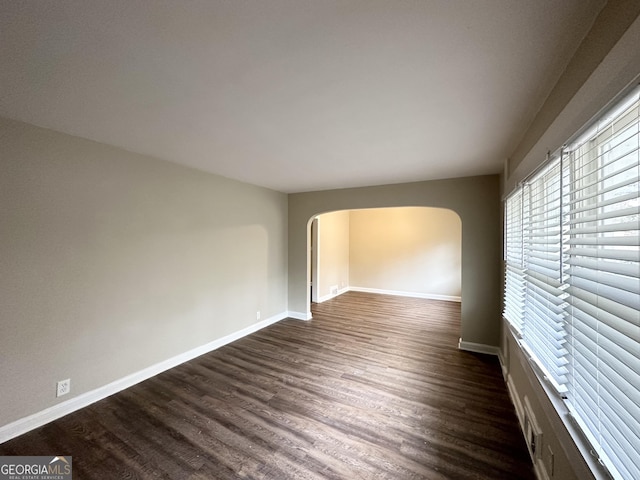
<point x="543" y="331"/>
<point x="574" y="299"/>
<point x="514" y="262"/>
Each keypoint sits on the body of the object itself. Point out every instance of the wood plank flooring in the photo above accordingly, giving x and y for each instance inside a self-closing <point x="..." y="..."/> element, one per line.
<point x="373" y="387"/>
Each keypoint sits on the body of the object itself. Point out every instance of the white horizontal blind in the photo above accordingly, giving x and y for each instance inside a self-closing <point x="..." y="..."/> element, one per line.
<point x="572" y="281"/>
<point x="514" y="262"/>
<point x="543" y="331"/>
<point x="602" y="278"/>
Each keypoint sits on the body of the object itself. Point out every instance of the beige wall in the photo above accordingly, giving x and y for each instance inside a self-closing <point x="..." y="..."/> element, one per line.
<point x="612" y="22"/>
<point x="412" y="250"/>
<point x="112" y="262"/>
<point x="476" y="201"/>
<point x="592" y="80"/>
<point x="333" y="253"/>
<point x="616" y="71"/>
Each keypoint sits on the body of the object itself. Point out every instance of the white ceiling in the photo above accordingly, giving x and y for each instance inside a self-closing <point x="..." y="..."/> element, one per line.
<point x="294" y="95"/>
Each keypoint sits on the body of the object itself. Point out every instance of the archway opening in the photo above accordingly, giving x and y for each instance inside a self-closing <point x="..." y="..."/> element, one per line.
<point x="408" y="251"/>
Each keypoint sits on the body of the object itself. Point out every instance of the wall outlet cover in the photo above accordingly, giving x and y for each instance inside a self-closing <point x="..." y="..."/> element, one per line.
<point x="63" y="387"/>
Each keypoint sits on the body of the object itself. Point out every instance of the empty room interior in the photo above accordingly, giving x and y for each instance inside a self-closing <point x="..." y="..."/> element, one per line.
<point x="321" y="239"/>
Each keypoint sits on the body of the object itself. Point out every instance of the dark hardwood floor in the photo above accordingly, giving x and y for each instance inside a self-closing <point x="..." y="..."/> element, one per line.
<point x="373" y="387"/>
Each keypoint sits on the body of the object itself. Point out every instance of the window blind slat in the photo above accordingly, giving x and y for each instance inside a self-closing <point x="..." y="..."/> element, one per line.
<point x="623" y="282"/>
<point x="605" y="254"/>
<point x="630" y="269"/>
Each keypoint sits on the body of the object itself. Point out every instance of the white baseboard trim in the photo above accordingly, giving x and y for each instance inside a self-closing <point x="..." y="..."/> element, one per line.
<point x="478" y="347"/>
<point x="299" y="315"/>
<point x="448" y="298"/>
<point x="324" y="298"/>
<point x="26" y="424"/>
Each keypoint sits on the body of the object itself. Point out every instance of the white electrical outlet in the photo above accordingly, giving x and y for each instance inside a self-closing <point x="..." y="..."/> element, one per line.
<point x="64" y="387"/>
<point x="258" y="315"/>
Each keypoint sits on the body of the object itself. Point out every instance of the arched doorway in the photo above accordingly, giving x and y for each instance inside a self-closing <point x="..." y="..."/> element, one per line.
<point x="407" y="251"/>
<point x="475" y="199"/>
